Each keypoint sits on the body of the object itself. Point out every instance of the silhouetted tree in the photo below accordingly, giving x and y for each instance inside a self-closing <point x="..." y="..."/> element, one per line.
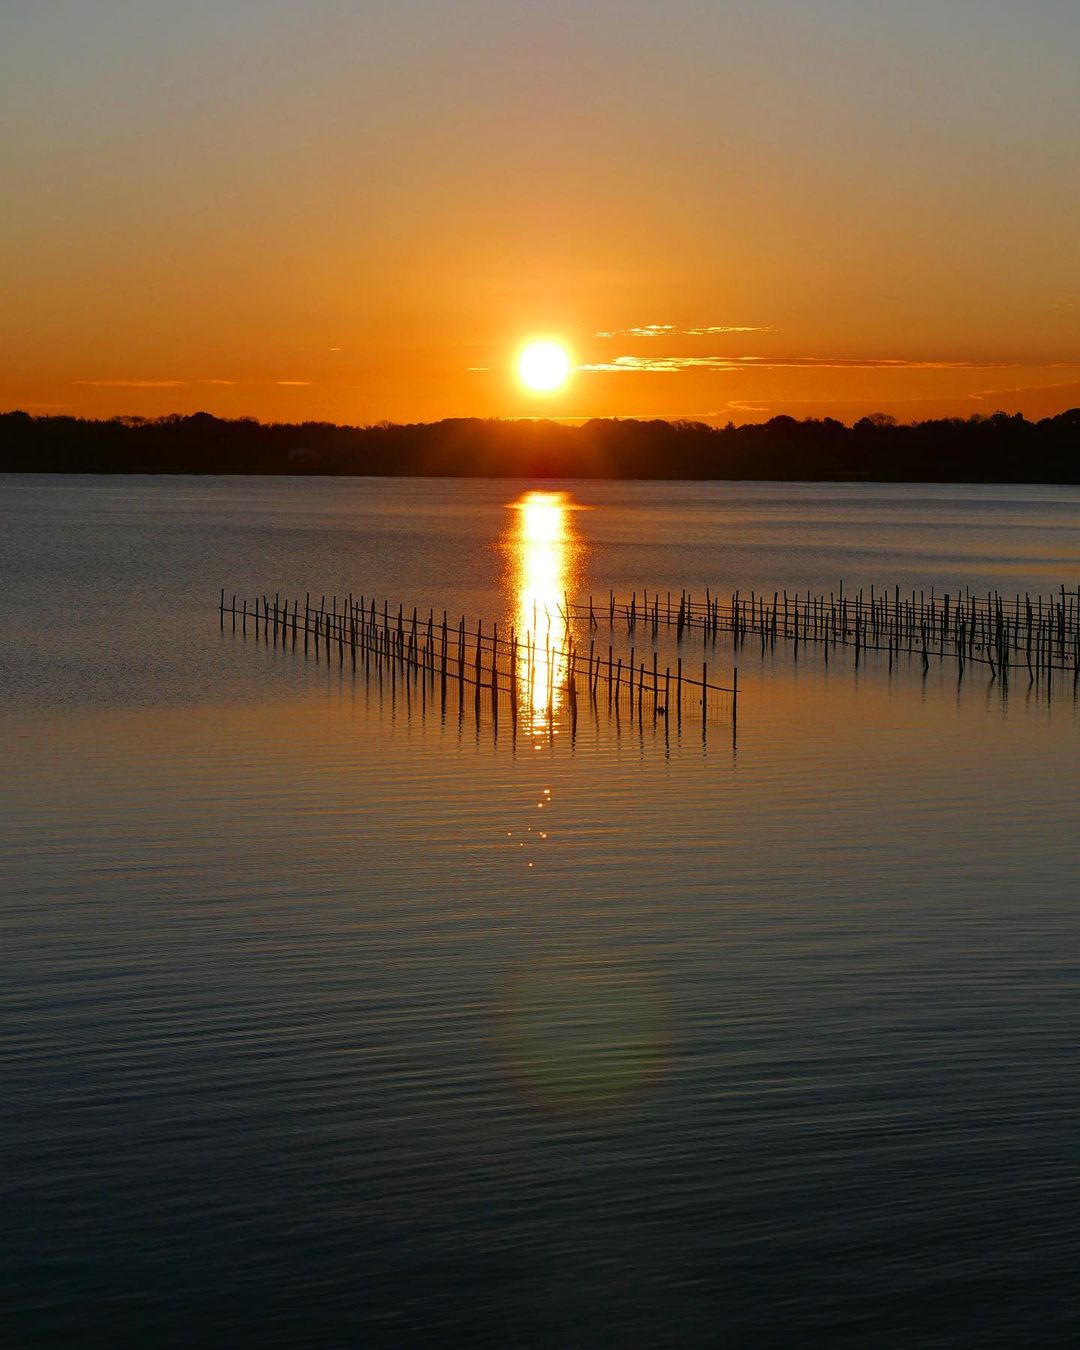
<point x="999" y="448"/>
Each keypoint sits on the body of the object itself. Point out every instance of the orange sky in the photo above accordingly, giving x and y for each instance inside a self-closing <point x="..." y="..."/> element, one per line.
<point x="357" y="212"/>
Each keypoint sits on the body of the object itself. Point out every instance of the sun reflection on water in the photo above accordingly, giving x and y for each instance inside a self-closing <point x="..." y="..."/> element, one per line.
<point x="544" y="556"/>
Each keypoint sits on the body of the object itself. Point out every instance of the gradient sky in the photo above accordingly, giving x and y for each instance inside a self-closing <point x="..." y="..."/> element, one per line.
<point x="357" y="211"/>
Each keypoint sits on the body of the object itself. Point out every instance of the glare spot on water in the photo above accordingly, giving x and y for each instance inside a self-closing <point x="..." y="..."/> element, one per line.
<point x="584" y="1036"/>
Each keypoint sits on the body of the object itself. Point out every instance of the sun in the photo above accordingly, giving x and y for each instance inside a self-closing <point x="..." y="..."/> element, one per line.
<point x="543" y="367"/>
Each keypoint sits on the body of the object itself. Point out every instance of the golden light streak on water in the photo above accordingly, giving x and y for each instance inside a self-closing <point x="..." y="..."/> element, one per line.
<point x="544" y="558"/>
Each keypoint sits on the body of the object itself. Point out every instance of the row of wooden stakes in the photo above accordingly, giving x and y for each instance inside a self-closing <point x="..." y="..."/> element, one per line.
<point x="542" y="674"/>
<point x="1041" y="634"/>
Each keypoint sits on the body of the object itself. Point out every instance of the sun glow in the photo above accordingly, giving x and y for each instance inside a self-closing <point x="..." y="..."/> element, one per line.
<point x="543" y="367"/>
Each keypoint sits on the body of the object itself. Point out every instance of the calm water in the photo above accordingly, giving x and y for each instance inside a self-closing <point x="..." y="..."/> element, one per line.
<point x="327" y="1020"/>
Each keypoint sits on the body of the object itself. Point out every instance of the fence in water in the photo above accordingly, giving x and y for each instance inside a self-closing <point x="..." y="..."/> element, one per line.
<point x="1039" y="634"/>
<point x="532" y="674"/>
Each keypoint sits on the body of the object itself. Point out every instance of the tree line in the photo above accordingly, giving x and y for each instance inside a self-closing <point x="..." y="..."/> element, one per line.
<point x="999" y="448"/>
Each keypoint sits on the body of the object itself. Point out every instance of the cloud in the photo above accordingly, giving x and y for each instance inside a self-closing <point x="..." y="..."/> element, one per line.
<point x="293" y="384"/>
<point x="668" y="364"/>
<point x="645" y="330"/>
<point x="1063" y="393"/>
<point x="1028" y="388"/>
<point x="654" y="330"/>
<point x="726" y="328"/>
<point x="133" y="384"/>
<point x="148" y="384"/>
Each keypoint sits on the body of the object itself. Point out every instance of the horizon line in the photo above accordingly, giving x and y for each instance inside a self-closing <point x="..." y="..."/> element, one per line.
<point x="709" y="421"/>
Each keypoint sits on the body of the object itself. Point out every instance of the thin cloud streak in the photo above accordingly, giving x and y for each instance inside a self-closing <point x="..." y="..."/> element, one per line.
<point x="645" y="330"/>
<point x="668" y="364"/>
<point x="712" y="329"/>
<point x="148" y="384"/>
<point x="133" y="384"/>
<point x="654" y="330"/>
<point x="772" y="407"/>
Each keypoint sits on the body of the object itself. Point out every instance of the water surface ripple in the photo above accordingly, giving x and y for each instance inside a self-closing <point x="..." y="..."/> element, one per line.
<point x="773" y="1044"/>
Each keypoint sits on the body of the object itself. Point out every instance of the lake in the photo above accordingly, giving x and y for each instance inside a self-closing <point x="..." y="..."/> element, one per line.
<point x="332" y="1018"/>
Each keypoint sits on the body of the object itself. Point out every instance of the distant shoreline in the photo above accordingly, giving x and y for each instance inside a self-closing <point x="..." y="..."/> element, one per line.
<point x="527" y="478"/>
<point x="1000" y="449"/>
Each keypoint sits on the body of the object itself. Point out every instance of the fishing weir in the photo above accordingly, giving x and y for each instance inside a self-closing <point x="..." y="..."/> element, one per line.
<point x="531" y="677"/>
<point x="1038" y="636"/>
<point x="545" y="674"/>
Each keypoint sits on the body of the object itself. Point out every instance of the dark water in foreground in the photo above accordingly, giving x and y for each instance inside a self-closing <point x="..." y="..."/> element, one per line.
<point x="772" y="1044"/>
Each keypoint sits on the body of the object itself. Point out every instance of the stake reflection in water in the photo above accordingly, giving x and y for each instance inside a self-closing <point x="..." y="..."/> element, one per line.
<point x="543" y="553"/>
